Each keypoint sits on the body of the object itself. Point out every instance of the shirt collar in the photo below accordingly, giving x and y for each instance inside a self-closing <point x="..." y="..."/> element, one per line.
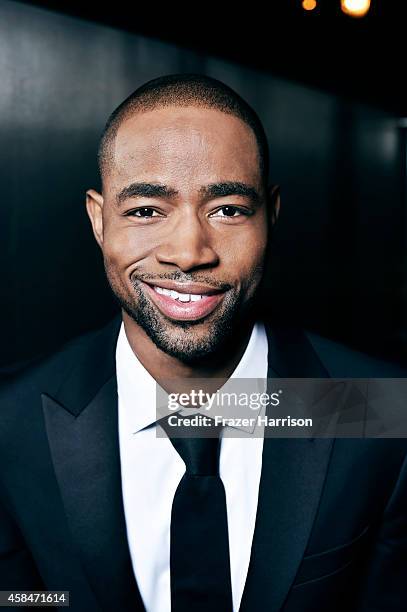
<point x="137" y="388"/>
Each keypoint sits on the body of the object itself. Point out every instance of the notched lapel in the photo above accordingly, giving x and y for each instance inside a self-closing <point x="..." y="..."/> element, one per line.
<point x="85" y="453"/>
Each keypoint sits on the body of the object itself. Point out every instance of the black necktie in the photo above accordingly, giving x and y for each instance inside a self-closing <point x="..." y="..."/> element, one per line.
<point x="199" y="553"/>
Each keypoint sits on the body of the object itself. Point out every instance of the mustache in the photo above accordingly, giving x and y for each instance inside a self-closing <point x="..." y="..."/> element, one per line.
<point x="181" y="277"/>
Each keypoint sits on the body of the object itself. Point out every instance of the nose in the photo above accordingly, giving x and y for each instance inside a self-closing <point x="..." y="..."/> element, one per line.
<point x="188" y="245"/>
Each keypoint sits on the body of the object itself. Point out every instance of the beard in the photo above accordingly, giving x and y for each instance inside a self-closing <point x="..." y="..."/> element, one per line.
<point x="190" y="342"/>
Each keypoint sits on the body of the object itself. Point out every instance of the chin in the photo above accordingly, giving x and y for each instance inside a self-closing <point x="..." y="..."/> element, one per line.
<point x="187" y="345"/>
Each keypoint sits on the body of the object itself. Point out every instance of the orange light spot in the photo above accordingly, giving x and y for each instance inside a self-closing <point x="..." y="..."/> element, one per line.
<point x="309" y="5"/>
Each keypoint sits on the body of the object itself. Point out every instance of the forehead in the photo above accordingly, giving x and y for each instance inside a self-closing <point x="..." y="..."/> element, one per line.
<point x="190" y="143"/>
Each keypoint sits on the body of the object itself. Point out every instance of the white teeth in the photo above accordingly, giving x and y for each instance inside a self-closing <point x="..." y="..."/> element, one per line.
<point x="182" y="297"/>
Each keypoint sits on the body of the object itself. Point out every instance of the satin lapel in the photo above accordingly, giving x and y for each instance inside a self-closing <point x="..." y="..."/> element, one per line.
<point x="84" y="446"/>
<point x="292" y="478"/>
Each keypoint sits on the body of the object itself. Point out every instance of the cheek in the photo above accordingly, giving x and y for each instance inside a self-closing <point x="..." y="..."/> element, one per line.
<point x="243" y="254"/>
<point x="122" y="247"/>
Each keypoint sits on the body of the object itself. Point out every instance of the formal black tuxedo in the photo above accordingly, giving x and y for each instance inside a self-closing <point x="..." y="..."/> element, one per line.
<point x="331" y="527"/>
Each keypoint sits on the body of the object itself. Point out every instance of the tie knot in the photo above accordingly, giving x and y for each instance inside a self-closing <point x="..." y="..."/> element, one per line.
<point x="197" y="445"/>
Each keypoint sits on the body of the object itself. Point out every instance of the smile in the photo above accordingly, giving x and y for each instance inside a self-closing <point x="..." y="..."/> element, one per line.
<point x="185" y="302"/>
<point x="175" y="295"/>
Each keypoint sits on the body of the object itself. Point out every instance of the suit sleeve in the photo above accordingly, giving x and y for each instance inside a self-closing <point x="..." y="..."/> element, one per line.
<point x="385" y="584"/>
<point x="17" y="567"/>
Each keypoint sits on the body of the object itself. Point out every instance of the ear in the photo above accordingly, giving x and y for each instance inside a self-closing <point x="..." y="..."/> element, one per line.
<point x="274" y="202"/>
<point x="94" y="206"/>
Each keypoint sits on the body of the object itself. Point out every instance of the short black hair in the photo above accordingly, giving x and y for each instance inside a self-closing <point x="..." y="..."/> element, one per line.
<point x="186" y="89"/>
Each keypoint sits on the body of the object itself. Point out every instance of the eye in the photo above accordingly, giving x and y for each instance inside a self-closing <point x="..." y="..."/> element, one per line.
<point x="144" y="213"/>
<point x="229" y="211"/>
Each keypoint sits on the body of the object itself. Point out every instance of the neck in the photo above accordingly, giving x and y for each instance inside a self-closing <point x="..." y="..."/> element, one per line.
<point x="163" y="366"/>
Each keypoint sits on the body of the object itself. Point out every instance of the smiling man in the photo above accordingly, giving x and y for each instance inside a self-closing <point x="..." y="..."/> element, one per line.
<point x="184" y="189"/>
<point x="93" y="500"/>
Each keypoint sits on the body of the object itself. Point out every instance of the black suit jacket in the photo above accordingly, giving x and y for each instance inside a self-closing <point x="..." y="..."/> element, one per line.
<point x="331" y="526"/>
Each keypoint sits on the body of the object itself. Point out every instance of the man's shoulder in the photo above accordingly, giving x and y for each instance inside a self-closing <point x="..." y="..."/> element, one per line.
<point x="342" y="361"/>
<point x="300" y="347"/>
<point x="50" y="369"/>
<point x="70" y="376"/>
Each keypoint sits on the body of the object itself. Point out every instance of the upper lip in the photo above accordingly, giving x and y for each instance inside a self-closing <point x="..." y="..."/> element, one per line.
<point x="196" y="288"/>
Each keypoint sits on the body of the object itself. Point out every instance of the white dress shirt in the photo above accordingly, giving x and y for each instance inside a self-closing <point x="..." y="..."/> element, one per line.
<point x="151" y="470"/>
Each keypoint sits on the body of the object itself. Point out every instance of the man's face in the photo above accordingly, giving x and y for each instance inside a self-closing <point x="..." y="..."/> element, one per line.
<point x="183" y="226"/>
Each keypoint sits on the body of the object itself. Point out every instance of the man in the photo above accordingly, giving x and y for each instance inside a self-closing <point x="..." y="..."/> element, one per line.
<point x="93" y="500"/>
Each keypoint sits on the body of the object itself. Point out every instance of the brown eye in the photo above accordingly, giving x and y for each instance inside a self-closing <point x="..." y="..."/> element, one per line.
<point x="228" y="211"/>
<point x="144" y="212"/>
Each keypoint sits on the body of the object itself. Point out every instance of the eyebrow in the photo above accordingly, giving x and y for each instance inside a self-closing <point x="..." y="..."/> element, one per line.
<point x="213" y="190"/>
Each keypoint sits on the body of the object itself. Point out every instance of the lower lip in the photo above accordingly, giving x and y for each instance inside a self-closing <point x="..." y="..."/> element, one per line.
<point x="184" y="311"/>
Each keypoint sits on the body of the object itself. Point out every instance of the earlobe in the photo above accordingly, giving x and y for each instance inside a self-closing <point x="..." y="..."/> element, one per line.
<point x="94" y="207"/>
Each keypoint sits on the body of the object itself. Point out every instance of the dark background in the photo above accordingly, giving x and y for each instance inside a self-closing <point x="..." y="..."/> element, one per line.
<point x="330" y="91"/>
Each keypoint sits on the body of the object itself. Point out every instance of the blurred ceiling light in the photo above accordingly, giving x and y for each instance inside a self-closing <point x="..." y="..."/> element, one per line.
<point x="355" y="8"/>
<point x="309" y="5"/>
